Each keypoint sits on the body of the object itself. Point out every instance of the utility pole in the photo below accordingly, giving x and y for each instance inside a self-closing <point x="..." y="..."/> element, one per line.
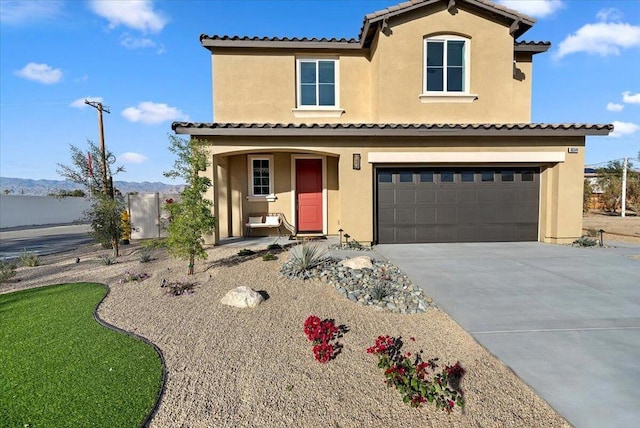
<point x="624" y="186"/>
<point x="98" y="106"/>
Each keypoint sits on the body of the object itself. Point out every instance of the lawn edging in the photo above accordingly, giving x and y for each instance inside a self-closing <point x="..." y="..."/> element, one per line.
<point x="145" y="422"/>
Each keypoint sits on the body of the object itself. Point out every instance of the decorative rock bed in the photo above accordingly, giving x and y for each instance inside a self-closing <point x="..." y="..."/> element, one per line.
<point x="385" y="286"/>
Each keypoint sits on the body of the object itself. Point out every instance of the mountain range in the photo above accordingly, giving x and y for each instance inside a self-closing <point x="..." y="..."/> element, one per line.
<point x="23" y="186"/>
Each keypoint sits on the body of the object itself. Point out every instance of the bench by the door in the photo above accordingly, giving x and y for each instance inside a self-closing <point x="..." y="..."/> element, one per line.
<point x="270" y="220"/>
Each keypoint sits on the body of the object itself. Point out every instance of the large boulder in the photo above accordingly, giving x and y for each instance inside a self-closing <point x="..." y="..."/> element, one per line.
<point x="361" y="262"/>
<point x="242" y="297"/>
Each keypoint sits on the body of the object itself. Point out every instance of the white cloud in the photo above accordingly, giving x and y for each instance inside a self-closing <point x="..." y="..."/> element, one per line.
<point x="623" y="128"/>
<point x="614" y="107"/>
<point x="152" y="113"/>
<point x="536" y="8"/>
<point x="603" y="38"/>
<point x="79" y="103"/>
<point x="630" y="98"/>
<point x="135" y="14"/>
<point x="131" y="42"/>
<point x="131" y="157"/>
<point x="17" y="12"/>
<point x="42" y="73"/>
<point x="611" y="14"/>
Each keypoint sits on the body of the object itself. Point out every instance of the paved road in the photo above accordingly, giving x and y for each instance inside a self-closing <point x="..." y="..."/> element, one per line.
<point x="565" y="319"/>
<point x="43" y="240"/>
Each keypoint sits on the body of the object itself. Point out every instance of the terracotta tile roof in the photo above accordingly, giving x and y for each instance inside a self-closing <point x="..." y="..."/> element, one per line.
<point x="412" y="4"/>
<point x="278" y="39"/>
<point x="370" y="25"/>
<point x="408" y="129"/>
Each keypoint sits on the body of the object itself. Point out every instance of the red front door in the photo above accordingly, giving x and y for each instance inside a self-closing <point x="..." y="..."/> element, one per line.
<point x="309" y="194"/>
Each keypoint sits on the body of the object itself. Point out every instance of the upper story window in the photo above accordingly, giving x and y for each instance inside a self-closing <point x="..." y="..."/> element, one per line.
<point x="317" y="87"/>
<point x="446" y="69"/>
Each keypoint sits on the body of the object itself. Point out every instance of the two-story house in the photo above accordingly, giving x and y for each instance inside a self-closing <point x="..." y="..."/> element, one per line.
<point x="418" y="131"/>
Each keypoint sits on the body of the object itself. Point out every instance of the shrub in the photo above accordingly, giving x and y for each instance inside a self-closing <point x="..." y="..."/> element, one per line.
<point x="268" y="257"/>
<point x="179" y="288"/>
<point x="380" y="290"/>
<point x="29" y="259"/>
<point x="593" y="233"/>
<point x="155" y="243"/>
<point x="130" y="277"/>
<point x="585" y="241"/>
<point x="308" y="257"/>
<point x="321" y="333"/>
<point x="246" y="252"/>
<point x="410" y="375"/>
<point x="275" y="247"/>
<point x="108" y="260"/>
<point x="146" y="254"/>
<point x="7" y="270"/>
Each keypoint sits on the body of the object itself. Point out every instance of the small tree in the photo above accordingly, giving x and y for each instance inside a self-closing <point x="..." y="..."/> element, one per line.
<point x="586" y="195"/>
<point x="81" y="172"/>
<point x="610" y="181"/>
<point x="191" y="216"/>
<point x="106" y="222"/>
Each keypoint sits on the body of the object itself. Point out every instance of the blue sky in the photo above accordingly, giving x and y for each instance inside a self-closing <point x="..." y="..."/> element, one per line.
<point x="144" y="61"/>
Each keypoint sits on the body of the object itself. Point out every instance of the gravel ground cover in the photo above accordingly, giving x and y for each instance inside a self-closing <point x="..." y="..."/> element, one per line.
<point x="230" y="367"/>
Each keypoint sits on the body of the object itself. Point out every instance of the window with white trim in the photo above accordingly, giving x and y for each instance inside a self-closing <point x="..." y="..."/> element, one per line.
<point x="260" y="176"/>
<point x="446" y="65"/>
<point x="317" y="83"/>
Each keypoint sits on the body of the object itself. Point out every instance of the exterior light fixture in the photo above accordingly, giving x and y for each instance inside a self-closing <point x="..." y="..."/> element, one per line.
<point x="346" y="237"/>
<point x="356" y="161"/>
<point x="340" y="231"/>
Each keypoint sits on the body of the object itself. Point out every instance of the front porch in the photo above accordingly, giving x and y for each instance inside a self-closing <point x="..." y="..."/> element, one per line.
<point x="301" y="187"/>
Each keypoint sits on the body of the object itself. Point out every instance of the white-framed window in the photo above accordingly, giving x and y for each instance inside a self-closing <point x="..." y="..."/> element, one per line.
<point x="446" y="65"/>
<point x="317" y="83"/>
<point x="260" y="169"/>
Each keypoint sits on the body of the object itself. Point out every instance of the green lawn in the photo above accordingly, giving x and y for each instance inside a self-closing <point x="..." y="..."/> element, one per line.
<point x="60" y="368"/>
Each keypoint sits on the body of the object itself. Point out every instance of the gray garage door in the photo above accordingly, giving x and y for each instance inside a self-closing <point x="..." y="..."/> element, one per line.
<point x="457" y="204"/>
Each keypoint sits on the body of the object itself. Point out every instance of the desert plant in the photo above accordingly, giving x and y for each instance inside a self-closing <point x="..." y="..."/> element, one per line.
<point x="85" y="169"/>
<point x="131" y="277"/>
<point x="108" y="260"/>
<point x="380" y="290"/>
<point x="274" y="247"/>
<point x="191" y="216"/>
<point x="592" y="233"/>
<point x="105" y="220"/>
<point x="246" y="252"/>
<point x="29" y="258"/>
<point x="354" y="245"/>
<point x="587" y="191"/>
<point x="268" y="257"/>
<point x="585" y="241"/>
<point x="154" y="243"/>
<point x="7" y="270"/>
<point x="307" y="257"/>
<point x="410" y="375"/>
<point x="145" y="255"/>
<point x="179" y="288"/>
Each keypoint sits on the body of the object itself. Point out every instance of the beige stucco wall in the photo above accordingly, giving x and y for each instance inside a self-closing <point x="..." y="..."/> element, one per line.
<point x="350" y="192"/>
<point x="383" y="85"/>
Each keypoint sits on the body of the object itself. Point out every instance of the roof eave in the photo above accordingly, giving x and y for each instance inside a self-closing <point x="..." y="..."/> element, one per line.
<point x="532" y="48"/>
<point x="523" y="130"/>
<point x="212" y="44"/>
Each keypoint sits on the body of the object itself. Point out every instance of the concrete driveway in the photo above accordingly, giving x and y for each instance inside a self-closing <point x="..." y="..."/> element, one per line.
<point x="566" y="320"/>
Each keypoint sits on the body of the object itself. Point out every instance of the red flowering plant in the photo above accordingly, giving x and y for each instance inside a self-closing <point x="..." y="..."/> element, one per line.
<point x="321" y="332"/>
<point x="417" y="380"/>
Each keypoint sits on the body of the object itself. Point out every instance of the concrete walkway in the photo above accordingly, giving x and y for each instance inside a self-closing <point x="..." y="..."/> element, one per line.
<point x="565" y="319"/>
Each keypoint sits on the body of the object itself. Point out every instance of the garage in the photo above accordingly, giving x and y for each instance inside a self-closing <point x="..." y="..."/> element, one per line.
<point x="457" y="204"/>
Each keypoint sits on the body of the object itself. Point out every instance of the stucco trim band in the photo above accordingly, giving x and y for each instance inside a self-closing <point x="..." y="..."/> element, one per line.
<point x="465" y="157"/>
